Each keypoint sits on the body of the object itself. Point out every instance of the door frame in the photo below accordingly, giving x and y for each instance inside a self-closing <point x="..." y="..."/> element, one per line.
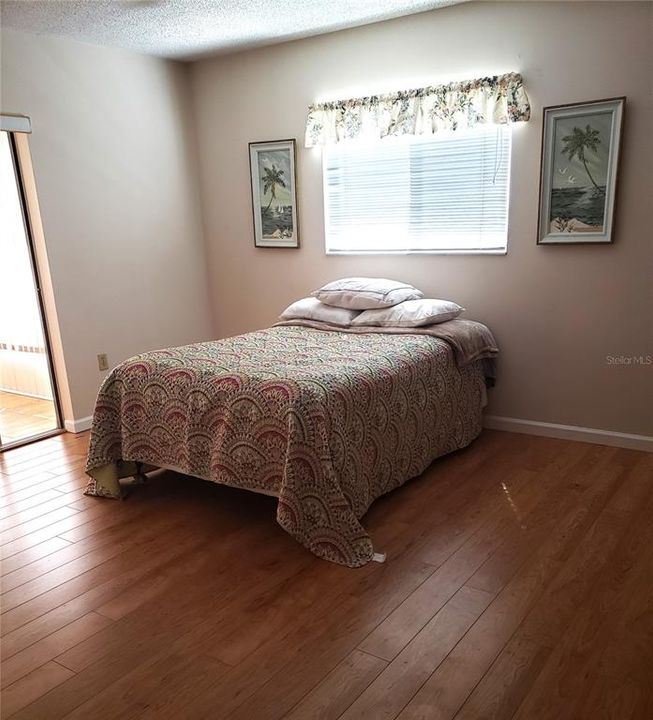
<point x="27" y="223"/>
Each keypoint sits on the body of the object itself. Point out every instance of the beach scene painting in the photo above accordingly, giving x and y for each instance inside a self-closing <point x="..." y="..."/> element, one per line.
<point x="579" y="172"/>
<point x="274" y="201"/>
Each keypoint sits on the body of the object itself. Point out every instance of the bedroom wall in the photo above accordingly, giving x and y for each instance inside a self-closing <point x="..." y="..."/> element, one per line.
<point x="559" y="313"/>
<point x="115" y="168"/>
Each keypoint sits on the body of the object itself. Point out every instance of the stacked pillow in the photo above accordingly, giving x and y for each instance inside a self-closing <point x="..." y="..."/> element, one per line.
<point x="311" y="308"/>
<point x="360" y="293"/>
<point x="411" y="313"/>
<point x="372" y="302"/>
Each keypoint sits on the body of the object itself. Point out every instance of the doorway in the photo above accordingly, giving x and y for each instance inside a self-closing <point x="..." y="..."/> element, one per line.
<point x="29" y="406"/>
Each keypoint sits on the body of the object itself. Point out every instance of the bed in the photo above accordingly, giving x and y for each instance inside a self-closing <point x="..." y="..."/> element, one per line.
<point x="325" y="419"/>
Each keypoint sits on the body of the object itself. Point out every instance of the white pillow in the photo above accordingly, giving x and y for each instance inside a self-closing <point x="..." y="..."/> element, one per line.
<point x="412" y="313"/>
<point x="361" y="293"/>
<point x="311" y="308"/>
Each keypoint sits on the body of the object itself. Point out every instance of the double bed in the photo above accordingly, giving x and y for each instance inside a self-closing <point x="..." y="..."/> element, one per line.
<point x="326" y="419"/>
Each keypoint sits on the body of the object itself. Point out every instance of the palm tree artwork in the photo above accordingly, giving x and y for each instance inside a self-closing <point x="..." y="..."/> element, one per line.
<point x="272" y="178"/>
<point x="272" y="170"/>
<point x="578" y="195"/>
<point x="580" y="153"/>
<point x="577" y="143"/>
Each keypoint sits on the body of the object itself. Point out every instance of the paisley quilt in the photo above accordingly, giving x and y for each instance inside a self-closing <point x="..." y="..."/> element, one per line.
<point x="327" y="421"/>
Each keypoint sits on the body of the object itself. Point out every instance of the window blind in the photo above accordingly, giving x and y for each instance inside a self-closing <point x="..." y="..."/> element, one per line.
<point x="444" y="193"/>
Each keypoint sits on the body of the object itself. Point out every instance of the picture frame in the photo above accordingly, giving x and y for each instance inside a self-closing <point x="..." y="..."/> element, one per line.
<point x="274" y="193"/>
<point x="581" y="147"/>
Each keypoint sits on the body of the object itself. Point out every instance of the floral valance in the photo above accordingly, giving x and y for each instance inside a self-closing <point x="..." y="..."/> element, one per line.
<point x="491" y="100"/>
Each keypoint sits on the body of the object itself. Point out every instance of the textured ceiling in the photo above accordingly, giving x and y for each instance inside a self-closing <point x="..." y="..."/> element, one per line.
<point x="188" y="29"/>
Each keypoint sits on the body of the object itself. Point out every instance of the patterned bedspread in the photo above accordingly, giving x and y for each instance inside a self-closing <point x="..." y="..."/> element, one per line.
<point x="327" y="421"/>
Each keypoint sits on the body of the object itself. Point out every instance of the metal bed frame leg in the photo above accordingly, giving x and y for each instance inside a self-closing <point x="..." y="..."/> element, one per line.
<point x="139" y="476"/>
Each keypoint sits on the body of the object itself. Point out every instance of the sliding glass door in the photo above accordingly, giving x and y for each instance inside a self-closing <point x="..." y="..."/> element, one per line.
<point x="29" y="406"/>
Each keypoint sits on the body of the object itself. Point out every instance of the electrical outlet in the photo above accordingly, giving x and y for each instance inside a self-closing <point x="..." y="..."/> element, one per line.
<point x="103" y="361"/>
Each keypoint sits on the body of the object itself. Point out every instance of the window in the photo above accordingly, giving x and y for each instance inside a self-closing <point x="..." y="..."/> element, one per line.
<point x="444" y="193"/>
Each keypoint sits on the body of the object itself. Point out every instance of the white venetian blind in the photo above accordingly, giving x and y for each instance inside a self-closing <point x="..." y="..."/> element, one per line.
<point x="448" y="192"/>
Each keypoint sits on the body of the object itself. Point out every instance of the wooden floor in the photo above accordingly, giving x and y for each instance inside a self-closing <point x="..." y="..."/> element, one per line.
<point x="519" y="584"/>
<point x="22" y="416"/>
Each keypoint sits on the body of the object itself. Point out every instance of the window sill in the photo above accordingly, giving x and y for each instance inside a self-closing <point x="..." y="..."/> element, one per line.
<point x="498" y="251"/>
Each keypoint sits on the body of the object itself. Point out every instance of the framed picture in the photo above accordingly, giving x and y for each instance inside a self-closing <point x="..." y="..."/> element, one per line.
<point x="274" y="198"/>
<point x="580" y="162"/>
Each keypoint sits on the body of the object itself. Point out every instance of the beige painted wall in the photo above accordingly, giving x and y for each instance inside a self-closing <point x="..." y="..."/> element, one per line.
<point x="557" y="312"/>
<point x="115" y="166"/>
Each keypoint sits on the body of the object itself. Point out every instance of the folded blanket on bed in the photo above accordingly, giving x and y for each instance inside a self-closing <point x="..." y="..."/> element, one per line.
<point x="470" y="340"/>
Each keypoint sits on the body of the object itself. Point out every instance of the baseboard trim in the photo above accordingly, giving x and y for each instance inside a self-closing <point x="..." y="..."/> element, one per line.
<point x="570" y="432"/>
<point x="78" y="425"/>
<point x="26" y="394"/>
<point x="496" y="422"/>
